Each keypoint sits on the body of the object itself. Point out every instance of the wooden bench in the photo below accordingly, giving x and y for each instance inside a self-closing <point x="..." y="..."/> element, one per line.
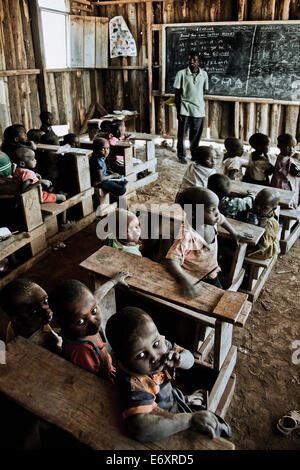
<point x="34" y="235"/>
<point x="241" y="189"/>
<point x="153" y="287"/>
<point x="290" y="219"/>
<point x="259" y="271"/>
<point x="79" y="402"/>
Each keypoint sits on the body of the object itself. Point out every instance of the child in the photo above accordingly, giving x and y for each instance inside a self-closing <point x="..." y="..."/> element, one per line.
<point x="127" y="232"/>
<point x="49" y="162"/>
<point x="79" y="315"/>
<point x="47" y="120"/>
<point x="118" y="131"/>
<point x="199" y="169"/>
<point x="287" y="168"/>
<point x="14" y="137"/>
<point x="232" y="162"/>
<point x="152" y="407"/>
<point x="35" y="135"/>
<point x="6" y="167"/>
<point x="72" y="139"/>
<point x="264" y="207"/>
<point x="259" y="166"/>
<point x="101" y="177"/>
<point x="27" y="307"/>
<point x="232" y="207"/>
<point x="192" y="255"/>
<point x="24" y="173"/>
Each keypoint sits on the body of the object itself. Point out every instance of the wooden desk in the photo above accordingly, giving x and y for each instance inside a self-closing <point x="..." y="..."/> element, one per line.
<point x="79" y="402"/>
<point x="215" y="307"/>
<point x="241" y="189"/>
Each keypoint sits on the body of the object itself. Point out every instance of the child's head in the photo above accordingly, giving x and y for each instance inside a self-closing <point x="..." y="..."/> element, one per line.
<point x="72" y="139"/>
<point x="219" y="184"/>
<point x="266" y="202"/>
<point x="26" y="304"/>
<point x="136" y="341"/>
<point x="234" y="146"/>
<point x="15" y="134"/>
<point x="76" y="309"/>
<point x="260" y="142"/>
<point x="127" y="225"/>
<point x="46" y="118"/>
<point x="286" y="144"/>
<point x="205" y="156"/>
<point x="118" y="128"/>
<point x="50" y="139"/>
<point x="35" y="135"/>
<point x="195" y="196"/>
<point x="106" y="126"/>
<point x="101" y="146"/>
<point x="25" y="158"/>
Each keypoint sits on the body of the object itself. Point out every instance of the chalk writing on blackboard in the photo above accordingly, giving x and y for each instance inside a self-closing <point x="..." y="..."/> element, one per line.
<point x="249" y="60"/>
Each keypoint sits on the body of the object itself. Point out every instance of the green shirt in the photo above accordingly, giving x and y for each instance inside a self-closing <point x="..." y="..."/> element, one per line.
<point x="192" y="87"/>
<point x="133" y="249"/>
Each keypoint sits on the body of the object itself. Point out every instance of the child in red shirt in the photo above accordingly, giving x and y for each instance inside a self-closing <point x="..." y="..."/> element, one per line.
<point x="79" y="315"/>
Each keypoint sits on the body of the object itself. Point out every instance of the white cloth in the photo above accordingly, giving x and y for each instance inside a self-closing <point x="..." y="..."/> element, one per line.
<point x="196" y="175"/>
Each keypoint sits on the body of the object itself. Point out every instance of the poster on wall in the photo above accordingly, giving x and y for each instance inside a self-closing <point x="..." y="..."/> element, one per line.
<point x="121" y="40"/>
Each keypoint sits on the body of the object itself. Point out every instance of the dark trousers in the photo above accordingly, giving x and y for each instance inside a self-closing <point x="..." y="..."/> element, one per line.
<point x="214" y="282"/>
<point x="115" y="187"/>
<point x="195" y="127"/>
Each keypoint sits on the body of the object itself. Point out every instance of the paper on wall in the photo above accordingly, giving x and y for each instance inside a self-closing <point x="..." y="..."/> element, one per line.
<point x="122" y="42"/>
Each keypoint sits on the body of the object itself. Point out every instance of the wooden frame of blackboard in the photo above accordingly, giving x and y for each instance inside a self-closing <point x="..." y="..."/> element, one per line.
<point x="219" y="97"/>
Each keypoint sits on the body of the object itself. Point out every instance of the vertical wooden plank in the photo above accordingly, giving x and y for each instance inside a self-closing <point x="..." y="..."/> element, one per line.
<point x="223" y="341"/>
<point x="250" y="126"/>
<point x="62" y="115"/>
<point x="76" y="40"/>
<point x="264" y="119"/>
<point x="292" y="113"/>
<point x="149" y="19"/>
<point x="53" y="98"/>
<point x="214" y="119"/>
<point x="101" y="42"/>
<point x="283" y="10"/>
<point x="236" y="119"/>
<point x="89" y="37"/>
<point x="241" y="10"/>
<point x="274" y="122"/>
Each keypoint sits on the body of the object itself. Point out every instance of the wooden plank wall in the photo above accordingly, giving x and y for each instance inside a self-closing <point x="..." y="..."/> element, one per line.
<point x="69" y="94"/>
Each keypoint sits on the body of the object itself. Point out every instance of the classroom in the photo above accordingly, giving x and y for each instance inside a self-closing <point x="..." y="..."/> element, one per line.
<point x="150" y="195"/>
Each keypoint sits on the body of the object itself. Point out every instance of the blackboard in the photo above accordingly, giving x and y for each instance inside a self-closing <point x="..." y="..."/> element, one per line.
<point x="242" y="60"/>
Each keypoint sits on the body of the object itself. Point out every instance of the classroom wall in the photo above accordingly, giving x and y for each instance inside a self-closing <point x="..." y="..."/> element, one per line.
<point x="127" y="87"/>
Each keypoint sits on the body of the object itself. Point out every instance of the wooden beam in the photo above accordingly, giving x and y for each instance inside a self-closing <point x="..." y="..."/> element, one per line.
<point x="10" y="73"/>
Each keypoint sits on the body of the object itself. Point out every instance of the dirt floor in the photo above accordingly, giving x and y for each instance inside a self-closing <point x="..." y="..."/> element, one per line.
<point x="267" y="374"/>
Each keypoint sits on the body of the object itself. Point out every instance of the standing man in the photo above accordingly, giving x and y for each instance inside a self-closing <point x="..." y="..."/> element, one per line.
<point x="190" y="83"/>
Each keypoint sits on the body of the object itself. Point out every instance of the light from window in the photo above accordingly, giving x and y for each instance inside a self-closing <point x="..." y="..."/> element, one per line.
<point x="60" y="5"/>
<point x="55" y="39"/>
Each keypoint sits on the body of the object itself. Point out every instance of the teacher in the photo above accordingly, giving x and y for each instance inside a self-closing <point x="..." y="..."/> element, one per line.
<point x="189" y="84"/>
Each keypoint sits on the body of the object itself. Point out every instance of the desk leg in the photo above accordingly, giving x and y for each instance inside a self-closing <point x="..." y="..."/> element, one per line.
<point x="237" y="262"/>
<point x="223" y="342"/>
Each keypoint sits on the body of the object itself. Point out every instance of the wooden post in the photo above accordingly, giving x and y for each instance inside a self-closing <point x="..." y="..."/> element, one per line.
<point x="236" y="119"/>
<point x="149" y="18"/>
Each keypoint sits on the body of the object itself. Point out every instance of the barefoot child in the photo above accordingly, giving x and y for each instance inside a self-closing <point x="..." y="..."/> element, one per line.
<point x="101" y="177"/>
<point x="151" y="406"/>
<point x="264" y="207"/>
<point x="126" y="236"/>
<point x="27" y="307"/>
<point x="15" y="136"/>
<point x="193" y="255"/>
<point x="79" y="316"/>
<point x="232" y="207"/>
<point x="259" y="167"/>
<point x="287" y="169"/>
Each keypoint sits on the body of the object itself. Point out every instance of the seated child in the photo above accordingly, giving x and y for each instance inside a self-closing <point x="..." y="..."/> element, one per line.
<point x="14" y="137"/>
<point x="264" y="207"/>
<point x="35" y="135"/>
<point x="47" y="120"/>
<point x="194" y="255"/>
<point x="151" y="406"/>
<point x="24" y="173"/>
<point x="126" y="236"/>
<point x="287" y="168"/>
<point x="101" y="177"/>
<point x="232" y="161"/>
<point x="259" y="166"/>
<point x="232" y="207"/>
<point x="27" y="307"/>
<point x="72" y="139"/>
<point x="79" y="316"/>
<point x="117" y="134"/>
<point x="199" y="169"/>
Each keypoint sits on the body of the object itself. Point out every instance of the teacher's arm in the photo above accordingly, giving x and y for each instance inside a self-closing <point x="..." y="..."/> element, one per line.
<point x="178" y="102"/>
